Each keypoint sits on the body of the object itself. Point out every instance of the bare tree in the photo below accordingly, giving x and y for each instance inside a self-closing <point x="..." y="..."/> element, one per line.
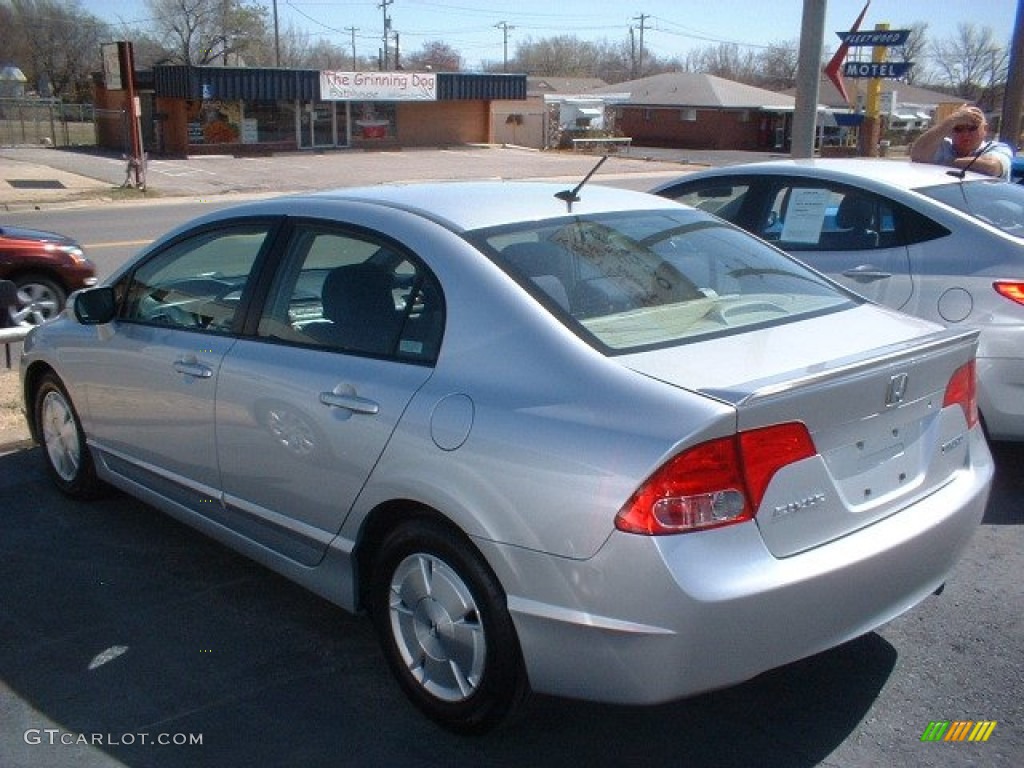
<point x="56" y="44"/>
<point x="209" y="31"/>
<point x="775" y="66"/>
<point x="564" y="56"/>
<point x="972" y="64"/>
<point x="435" y="55"/>
<point x="914" y="51"/>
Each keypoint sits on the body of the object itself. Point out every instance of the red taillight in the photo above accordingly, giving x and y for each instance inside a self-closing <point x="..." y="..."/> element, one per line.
<point x="1014" y="291"/>
<point x="962" y="390"/>
<point x="716" y="483"/>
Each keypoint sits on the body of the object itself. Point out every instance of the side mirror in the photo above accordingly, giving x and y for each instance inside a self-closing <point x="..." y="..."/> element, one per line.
<point x="94" y="306"/>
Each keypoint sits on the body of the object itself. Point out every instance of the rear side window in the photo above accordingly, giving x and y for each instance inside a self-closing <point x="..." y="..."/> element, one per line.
<point x="352" y="292"/>
<point x="805" y="217"/>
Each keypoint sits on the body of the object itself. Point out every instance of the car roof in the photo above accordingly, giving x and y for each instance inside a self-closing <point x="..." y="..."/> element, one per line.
<point x="902" y="174"/>
<point x="464" y="206"/>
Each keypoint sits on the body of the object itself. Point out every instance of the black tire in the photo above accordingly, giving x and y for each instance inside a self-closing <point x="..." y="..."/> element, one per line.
<point x="442" y="621"/>
<point x="40" y="299"/>
<point x="59" y="430"/>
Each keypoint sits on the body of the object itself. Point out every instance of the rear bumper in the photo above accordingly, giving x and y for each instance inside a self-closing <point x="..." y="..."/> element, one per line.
<point x="648" y="620"/>
<point x="1001" y="396"/>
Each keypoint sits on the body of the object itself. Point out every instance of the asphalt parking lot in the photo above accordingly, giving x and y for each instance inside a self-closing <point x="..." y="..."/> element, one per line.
<point x="121" y="628"/>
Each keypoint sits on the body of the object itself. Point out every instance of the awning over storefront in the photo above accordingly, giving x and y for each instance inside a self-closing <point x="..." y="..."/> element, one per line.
<point x="271" y="84"/>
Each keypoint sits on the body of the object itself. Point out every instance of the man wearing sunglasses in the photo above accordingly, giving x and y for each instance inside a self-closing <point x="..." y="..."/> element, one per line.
<point x="961" y="141"/>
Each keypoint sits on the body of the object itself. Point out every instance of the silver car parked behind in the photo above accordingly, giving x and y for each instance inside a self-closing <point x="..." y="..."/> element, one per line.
<point x="937" y="243"/>
<point x="590" y="443"/>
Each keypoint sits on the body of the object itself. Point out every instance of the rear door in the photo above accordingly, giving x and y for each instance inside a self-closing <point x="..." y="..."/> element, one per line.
<point x="856" y="237"/>
<point x="348" y="333"/>
<point x="849" y="234"/>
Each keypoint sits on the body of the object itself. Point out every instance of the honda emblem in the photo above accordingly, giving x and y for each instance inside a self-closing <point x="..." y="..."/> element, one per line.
<point x="896" y="391"/>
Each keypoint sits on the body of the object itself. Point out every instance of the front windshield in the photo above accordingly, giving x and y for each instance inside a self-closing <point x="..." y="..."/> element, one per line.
<point x="641" y="279"/>
<point x="991" y="200"/>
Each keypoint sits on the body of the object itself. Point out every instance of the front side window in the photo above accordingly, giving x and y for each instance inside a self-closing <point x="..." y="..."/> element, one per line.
<point x="352" y="292"/>
<point x="197" y="283"/>
<point x="628" y="281"/>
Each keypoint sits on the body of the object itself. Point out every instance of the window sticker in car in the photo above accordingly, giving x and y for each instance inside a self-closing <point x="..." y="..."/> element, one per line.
<point x="805" y="215"/>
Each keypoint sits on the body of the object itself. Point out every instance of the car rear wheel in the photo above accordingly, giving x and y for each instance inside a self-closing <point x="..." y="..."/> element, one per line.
<point x="39" y="299"/>
<point x="441" y="618"/>
<point x="58" y="427"/>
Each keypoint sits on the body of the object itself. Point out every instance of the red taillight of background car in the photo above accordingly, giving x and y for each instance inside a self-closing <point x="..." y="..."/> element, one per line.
<point x="962" y="390"/>
<point x="720" y="482"/>
<point x="1012" y="290"/>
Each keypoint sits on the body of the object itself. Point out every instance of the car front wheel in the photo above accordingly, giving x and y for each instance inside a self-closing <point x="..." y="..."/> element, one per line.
<point x="39" y="299"/>
<point x="441" y="618"/>
<point x="58" y="427"/>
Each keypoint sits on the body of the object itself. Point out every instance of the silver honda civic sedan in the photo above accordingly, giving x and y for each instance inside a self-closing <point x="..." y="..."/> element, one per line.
<point x="941" y="244"/>
<point x="584" y="442"/>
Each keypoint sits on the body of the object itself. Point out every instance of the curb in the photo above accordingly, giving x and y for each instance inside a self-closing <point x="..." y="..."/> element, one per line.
<point x="16" y="446"/>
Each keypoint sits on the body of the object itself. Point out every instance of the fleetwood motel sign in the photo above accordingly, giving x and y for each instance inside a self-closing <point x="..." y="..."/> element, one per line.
<point x="888" y="69"/>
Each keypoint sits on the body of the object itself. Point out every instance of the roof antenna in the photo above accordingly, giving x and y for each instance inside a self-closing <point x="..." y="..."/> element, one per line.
<point x="570" y="196"/>
<point x="961" y="173"/>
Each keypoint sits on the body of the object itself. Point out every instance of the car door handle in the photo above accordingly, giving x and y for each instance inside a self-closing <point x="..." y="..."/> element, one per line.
<point x="349" y="403"/>
<point x="193" y="368"/>
<point x="866" y="273"/>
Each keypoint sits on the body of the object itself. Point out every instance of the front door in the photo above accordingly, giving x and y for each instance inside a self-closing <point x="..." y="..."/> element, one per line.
<point x="318" y="126"/>
<point x="151" y="386"/>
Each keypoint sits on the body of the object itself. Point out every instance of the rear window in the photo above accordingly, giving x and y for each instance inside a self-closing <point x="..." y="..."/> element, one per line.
<point x="642" y="279"/>
<point x="990" y="200"/>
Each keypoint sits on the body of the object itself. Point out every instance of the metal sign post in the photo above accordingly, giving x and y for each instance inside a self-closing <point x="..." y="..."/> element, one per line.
<point x="135" y="173"/>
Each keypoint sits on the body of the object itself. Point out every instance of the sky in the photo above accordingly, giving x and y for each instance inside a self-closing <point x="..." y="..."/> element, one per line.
<point x="671" y="27"/>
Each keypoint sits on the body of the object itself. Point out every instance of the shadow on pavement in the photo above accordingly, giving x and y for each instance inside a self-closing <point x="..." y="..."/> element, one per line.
<point x="117" y="621"/>
<point x="1006" y="505"/>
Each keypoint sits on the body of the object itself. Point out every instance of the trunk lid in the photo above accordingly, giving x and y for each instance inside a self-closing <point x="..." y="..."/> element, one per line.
<point x="868" y="384"/>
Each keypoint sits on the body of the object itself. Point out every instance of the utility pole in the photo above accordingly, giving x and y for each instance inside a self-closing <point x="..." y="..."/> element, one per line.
<point x="632" y="53"/>
<point x="352" y="31"/>
<point x="277" y="39"/>
<point x="504" y="26"/>
<point x="1009" y="124"/>
<point x="387" y="30"/>
<point x="808" y="76"/>
<point x="640" y="63"/>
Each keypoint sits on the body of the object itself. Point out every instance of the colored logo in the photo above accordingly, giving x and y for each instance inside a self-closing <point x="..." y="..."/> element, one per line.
<point x="958" y="730"/>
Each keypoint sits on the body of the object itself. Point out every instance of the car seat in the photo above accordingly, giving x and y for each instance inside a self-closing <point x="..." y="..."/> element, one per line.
<point x="857" y="221"/>
<point x="359" y="310"/>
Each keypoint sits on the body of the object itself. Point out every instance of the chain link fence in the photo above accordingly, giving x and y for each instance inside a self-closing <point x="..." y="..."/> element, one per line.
<point x="46" y="122"/>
